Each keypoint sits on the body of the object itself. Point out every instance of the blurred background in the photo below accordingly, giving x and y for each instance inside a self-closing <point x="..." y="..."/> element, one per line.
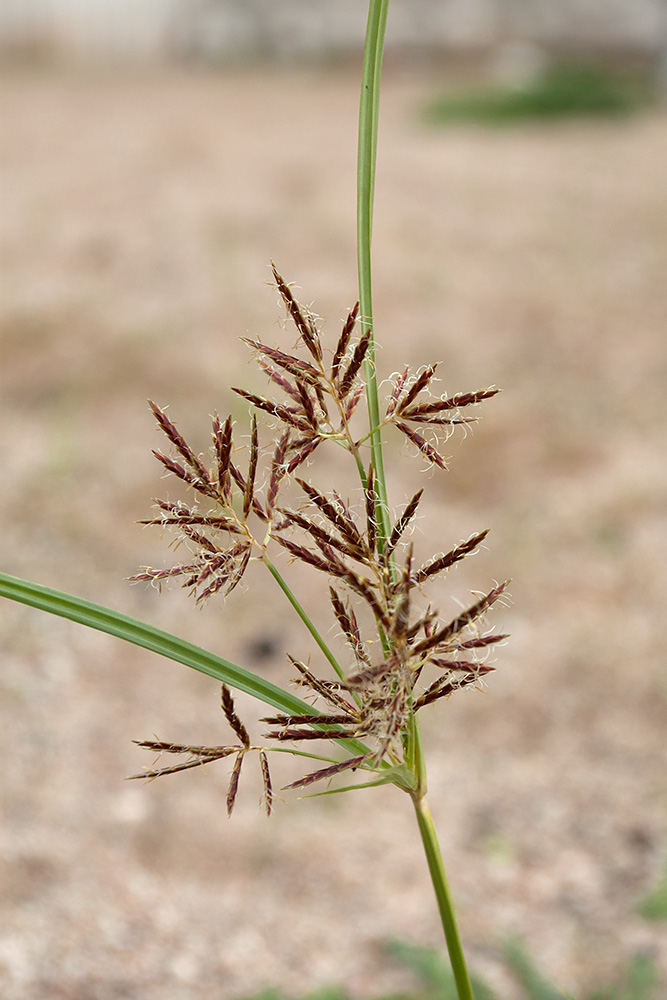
<point x="156" y="156"/>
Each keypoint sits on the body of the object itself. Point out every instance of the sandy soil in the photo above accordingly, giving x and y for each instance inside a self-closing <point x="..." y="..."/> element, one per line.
<point x="140" y="213"/>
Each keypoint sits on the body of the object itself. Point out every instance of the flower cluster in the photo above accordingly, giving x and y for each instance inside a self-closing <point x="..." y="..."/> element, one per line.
<point x="423" y="658"/>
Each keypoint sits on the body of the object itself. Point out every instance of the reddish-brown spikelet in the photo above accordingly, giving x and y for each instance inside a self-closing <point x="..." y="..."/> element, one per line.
<point x="345" y="382"/>
<point x="330" y="772"/>
<point x="314" y="720"/>
<point x="442" y="688"/>
<point x="285" y="413"/>
<point x="201" y="540"/>
<point x="303" y="322"/>
<point x="302" y="454"/>
<point x="479" y="641"/>
<point x="180" y="443"/>
<point x="240" y="481"/>
<point x="452" y="402"/>
<point x="364" y="588"/>
<point x="353" y="401"/>
<point x="337" y="513"/>
<point x="318" y="686"/>
<point x="222" y="441"/>
<point x="444" y="562"/>
<point x="234" y="783"/>
<point x="278" y="472"/>
<point x="266" y="780"/>
<point x="305" y="734"/>
<point x="289" y="362"/>
<point x="403" y="522"/>
<point x="227" y="704"/>
<point x="348" y="622"/>
<point x="343" y="341"/>
<point x="423" y="445"/>
<point x="307" y="404"/>
<point x="191" y="478"/>
<point x="248" y="493"/>
<point x="160" y="574"/>
<point x="420" y="383"/>
<point x="319" y="534"/>
<point x="458" y="624"/>
<point x="438" y="661"/>
<point x="305" y="555"/>
<point x="279" y="379"/>
<point x="396" y="392"/>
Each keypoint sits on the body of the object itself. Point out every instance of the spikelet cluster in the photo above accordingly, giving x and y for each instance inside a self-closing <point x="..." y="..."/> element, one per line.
<point x="423" y="658"/>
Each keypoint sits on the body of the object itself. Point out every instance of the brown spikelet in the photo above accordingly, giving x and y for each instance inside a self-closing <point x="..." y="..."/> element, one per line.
<point x="240" y="481"/>
<point x="155" y="575"/>
<point x="222" y="441"/>
<point x="302" y="454"/>
<point x="420" y="383"/>
<point x="248" y="493"/>
<point x="314" y="720"/>
<point x="227" y="704"/>
<point x="479" y="642"/>
<point x="442" y="688"/>
<point x="426" y="449"/>
<point x="459" y="665"/>
<point x="307" y="556"/>
<point x="278" y="472"/>
<point x="346" y="380"/>
<point x="192" y="479"/>
<point x="179" y="513"/>
<point x="302" y="319"/>
<point x="343" y="341"/>
<point x="337" y="513"/>
<point x="363" y="677"/>
<point x="353" y="401"/>
<point x="296" y="734"/>
<point x="284" y="413"/>
<point x="307" y="404"/>
<point x="364" y="588"/>
<point x="403" y="522"/>
<point x="288" y="362"/>
<point x="458" y="624"/>
<point x="161" y="747"/>
<point x="451" y="403"/>
<point x="180" y="444"/>
<point x="266" y="781"/>
<point x="330" y="772"/>
<point x="348" y="622"/>
<point x="444" y="562"/>
<point x="396" y="392"/>
<point x="318" y="686"/>
<point x="319" y="534"/>
<point x="234" y="783"/>
<point x="279" y="379"/>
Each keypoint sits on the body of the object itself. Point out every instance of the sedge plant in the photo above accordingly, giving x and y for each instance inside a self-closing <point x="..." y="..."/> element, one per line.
<point x="356" y="708"/>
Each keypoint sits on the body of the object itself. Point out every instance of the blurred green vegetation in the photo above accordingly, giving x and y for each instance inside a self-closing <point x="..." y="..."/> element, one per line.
<point x="639" y="981"/>
<point x="654" y="905"/>
<point x="561" y="90"/>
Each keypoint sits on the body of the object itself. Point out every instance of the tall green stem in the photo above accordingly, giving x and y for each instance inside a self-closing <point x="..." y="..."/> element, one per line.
<point x="443" y="894"/>
<point x="368" y="133"/>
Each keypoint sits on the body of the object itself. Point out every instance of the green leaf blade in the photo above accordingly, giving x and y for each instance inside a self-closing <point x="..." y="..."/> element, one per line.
<point x="96" y="616"/>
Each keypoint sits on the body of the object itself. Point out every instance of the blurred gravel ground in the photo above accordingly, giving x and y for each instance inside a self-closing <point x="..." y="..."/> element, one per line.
<point x="139" y="216"/>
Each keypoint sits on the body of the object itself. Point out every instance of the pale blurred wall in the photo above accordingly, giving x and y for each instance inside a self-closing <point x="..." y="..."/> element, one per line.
<point x="237" y="28"/>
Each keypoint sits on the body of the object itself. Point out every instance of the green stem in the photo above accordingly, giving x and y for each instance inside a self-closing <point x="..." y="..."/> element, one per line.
<point x="367" y="152"/>
<point x="303" y="615"/>
<point x="368" y="129"/>
<point x="443" y="895"/>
